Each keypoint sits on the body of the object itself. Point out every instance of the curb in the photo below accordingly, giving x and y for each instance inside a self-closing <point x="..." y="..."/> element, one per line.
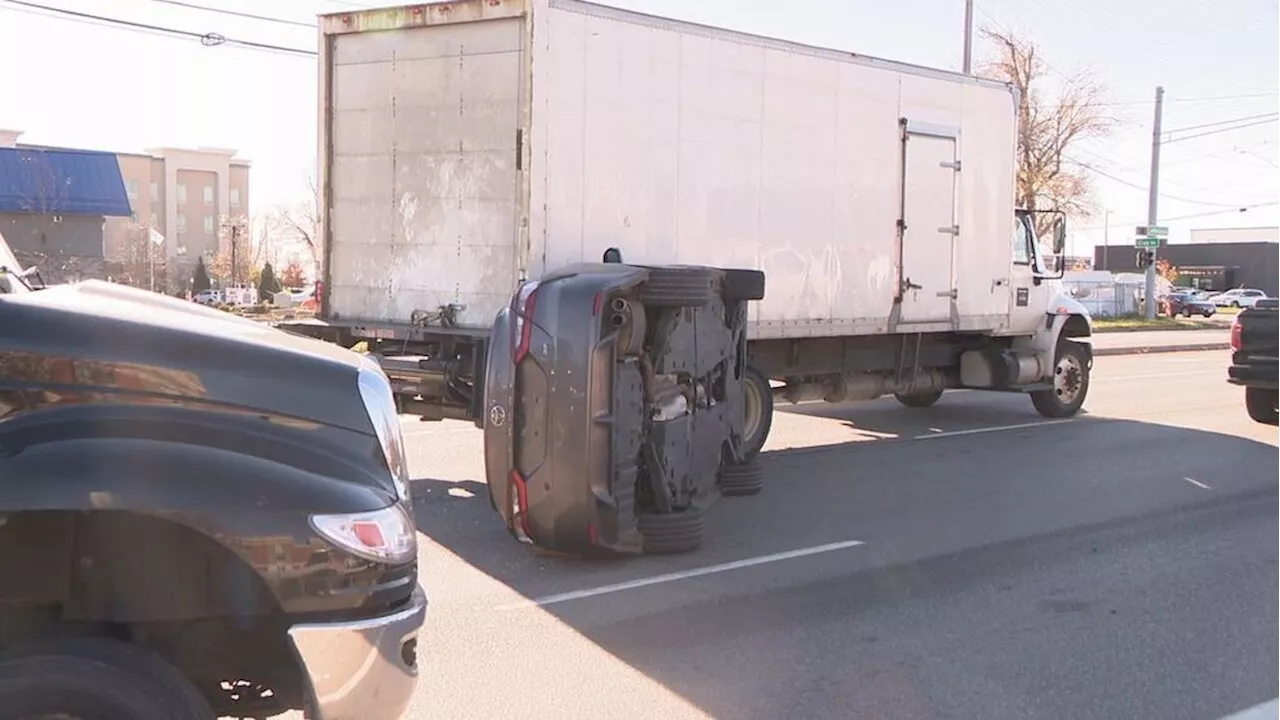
<point x="1147" y="349"/>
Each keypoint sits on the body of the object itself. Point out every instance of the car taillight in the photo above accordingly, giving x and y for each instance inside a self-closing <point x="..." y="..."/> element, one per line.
<point x="522" y="328"/>
<point x="1235" y="334"/>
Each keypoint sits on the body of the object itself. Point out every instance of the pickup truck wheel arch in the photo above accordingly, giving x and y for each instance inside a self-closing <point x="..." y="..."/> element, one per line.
<point x="97" y="677"/>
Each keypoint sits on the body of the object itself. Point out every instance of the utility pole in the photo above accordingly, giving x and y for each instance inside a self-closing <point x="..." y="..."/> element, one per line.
<point x="236" y="237"/>
<point x="968" y="36"/>
<point x="1153" y="196"/>
<point x="1106" y="237"/>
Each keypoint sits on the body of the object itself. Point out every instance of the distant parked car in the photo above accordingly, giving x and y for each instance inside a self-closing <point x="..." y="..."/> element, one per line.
<point x="1237" y="298"/>
<point x="208" y="297"/>
<point x="1187" y="304"/>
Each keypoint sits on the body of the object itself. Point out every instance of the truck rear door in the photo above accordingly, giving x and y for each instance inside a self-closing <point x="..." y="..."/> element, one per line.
<point x="423" y="127"/>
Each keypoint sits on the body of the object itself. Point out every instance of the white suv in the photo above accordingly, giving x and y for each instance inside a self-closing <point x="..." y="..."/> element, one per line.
<point x="1237" y="298"/>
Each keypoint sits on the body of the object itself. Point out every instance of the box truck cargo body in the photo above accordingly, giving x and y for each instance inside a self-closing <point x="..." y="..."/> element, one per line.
<point x="468" y="146"/>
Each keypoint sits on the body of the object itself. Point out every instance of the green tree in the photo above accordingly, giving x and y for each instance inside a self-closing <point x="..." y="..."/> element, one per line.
<point x="200" y="278"/>
<point x="268" y="283"/>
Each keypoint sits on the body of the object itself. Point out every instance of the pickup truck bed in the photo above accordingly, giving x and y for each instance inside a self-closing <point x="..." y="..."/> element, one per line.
<point x="1255" y="365"/>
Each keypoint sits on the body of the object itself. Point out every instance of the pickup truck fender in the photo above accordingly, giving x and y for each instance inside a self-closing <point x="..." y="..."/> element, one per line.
<point x="174" y="517"/>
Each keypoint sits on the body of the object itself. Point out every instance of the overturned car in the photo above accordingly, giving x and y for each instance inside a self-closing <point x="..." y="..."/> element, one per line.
<point x="613" y="405"/>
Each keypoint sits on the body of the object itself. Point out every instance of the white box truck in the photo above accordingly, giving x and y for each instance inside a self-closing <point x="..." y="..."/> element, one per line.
<point x="468" y="146"/>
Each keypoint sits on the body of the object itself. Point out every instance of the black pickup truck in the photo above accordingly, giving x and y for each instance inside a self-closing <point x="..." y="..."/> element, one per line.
<point x="1255" y="345"/>
<point x="200" y="516"/>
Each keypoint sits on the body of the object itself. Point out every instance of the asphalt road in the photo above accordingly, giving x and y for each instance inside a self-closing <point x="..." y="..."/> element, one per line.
<point x="1123" y="564"/>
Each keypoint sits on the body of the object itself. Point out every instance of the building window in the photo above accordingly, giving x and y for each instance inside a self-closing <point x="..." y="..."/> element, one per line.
<point x="155" y="192"/>
<point x="208" y="224"/>
<point x="131" y="189"/>
<point x="182" y="222"/>
<point x="208" y="195"/>
<point x="182" y="193"/>
<point x="235" y="197"/>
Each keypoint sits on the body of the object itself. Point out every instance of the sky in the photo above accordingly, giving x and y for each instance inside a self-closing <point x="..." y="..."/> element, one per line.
<point x="85" y="83"/>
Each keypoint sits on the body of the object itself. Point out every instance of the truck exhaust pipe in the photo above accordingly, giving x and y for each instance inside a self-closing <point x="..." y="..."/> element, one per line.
<point x="865" y="386"/>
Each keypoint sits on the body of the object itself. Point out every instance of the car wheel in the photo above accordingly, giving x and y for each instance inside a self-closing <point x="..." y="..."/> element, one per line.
<point x="1235" y="304"/>
<point x="741" y="480"/>
<point x="95" y="679"/>
<point x="757" y="413"/>
<point x="677" y="287"/>
<point x="1208" y="314"/>
<point x="1261" y="405"/>
<point x="1186" y="312"/>
<point x="919" y="400"/>
<point x="1070" y="383"/>
<point x="671" y="533"/>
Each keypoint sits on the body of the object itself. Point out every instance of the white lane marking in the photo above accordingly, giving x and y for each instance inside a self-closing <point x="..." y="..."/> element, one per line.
<point x="998" y="428"/>
<point x="1257" y="712"/>
<point x="681" y="575"/>
<point x="1197" y="483"/>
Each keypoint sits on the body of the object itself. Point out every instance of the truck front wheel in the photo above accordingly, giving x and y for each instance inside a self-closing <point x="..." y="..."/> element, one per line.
<point x="1261" y="403"/>
<point x="95" y="679"/>
<point x="1070" y="383"/>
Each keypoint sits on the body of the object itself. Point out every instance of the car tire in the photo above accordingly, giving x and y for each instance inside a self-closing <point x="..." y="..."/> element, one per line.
<point x="1261" y="403"/>
<point x="1070" y="383"/>
<point x="919" y="400"/>
<point x="1186" y="312"/>
<point x="95" y="679"/>
<point x="677" y="287"/>
<point x="757" y="409"/>
<point x="672" y="533"/>
<point x="741" y="480"/>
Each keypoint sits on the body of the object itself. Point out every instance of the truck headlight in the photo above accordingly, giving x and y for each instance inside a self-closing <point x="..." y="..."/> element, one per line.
<point x="380" y="404"/>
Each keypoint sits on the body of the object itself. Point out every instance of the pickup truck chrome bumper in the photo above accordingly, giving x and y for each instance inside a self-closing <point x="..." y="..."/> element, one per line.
<point x="363" y="669"/>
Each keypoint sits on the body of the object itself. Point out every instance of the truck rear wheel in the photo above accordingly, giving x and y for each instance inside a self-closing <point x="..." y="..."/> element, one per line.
<point x="677" y="287"/>
<point x="1261" y="405"/>
<point x="1070" y="383"/>
<point x="741" y="480"/>
<point x="919" y="400"/>
<point x="671" y="533"/>
<point x="757" y="411"/>
<point x="94" y="679"/>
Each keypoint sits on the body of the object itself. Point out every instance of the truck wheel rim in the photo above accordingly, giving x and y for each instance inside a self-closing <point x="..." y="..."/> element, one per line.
<point x="752" y="412"/>
<point x="1068" y="379"/>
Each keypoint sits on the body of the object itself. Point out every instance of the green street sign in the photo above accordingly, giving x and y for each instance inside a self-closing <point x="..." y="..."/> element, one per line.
<point x="1147" y="242"/>
<point x="1152" y="231"/>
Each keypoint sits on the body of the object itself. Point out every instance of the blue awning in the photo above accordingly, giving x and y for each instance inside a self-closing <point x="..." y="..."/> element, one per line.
<point x="48" y="181"/>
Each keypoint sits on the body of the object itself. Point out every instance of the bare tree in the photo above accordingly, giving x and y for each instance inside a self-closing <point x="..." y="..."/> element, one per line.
<point x="1049" y="125"/>
<point x="48" y="190"/>
<point x="302" y="221"/>
<point x="234" y="262"/>
<point x="141" y="259"/>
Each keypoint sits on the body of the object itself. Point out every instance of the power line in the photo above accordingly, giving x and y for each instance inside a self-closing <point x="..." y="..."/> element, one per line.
<point x="1224" y="122"/>
<point x="1243" y="208"/>
<point x="236" y="13"/>
<point x="1222" y="130"/>
<point x="206" y="39"/>
<point x="1144" y="188"/>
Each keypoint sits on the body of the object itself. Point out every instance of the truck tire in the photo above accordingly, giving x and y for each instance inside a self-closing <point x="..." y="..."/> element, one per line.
<point x="919" y="400"/>
<point x="1070" y="383"/>
<point x="677" y="287"/>
<point x="1261" y="405"/>
<point x="741" y="480"/>
<point x="671" y="533"/>
<point x="95" y="679"/>
<point x="757" y="410"/>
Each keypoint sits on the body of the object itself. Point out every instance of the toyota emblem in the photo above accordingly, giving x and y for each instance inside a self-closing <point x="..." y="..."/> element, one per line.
<point x="497" y="415"/>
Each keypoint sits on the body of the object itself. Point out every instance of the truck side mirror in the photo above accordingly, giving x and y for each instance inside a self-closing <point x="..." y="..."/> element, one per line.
<point x="1059" y="235"/>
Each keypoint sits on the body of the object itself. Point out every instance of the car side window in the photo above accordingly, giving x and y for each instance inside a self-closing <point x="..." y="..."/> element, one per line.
<point x="1021" y="243"/>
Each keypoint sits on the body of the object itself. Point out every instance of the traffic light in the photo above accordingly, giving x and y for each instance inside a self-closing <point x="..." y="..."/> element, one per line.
<point x="1145" y="258"/>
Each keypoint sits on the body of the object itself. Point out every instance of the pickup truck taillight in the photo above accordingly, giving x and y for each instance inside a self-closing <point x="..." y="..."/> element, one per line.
<point x="1235" y="334"/>
<point x="522" y="328"/>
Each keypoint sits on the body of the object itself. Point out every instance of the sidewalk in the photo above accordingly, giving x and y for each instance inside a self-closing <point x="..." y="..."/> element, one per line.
<point x="1155" y="341"/>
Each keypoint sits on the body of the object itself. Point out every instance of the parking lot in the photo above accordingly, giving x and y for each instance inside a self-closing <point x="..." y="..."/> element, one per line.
<point x="968" y="560"/>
